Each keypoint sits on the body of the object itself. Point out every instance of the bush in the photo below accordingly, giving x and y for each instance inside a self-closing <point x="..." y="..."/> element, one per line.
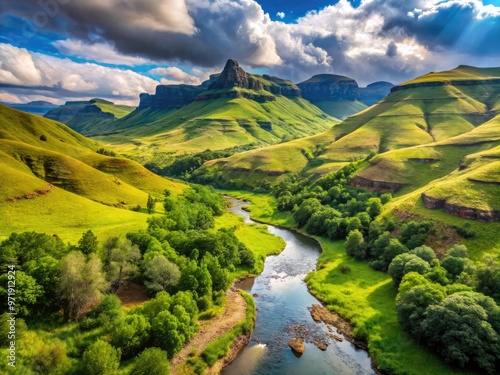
<point x="101" y="359"/>
<point x="152" y="361"/>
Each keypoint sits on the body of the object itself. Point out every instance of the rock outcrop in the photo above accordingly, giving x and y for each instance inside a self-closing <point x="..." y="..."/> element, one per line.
<point x="460" y="211"/>
<point x="223" y="85"/>
<point x="325" y="87"/>
<point x="297" y="345"/>
<point x="377" y="186"/>
<point x="472" y="82"/>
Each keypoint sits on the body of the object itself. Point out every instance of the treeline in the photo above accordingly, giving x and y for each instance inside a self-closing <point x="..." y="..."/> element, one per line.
<point x="184" y="166"/>
<point x="183" y="263"/>
<point x="448" y="304"/>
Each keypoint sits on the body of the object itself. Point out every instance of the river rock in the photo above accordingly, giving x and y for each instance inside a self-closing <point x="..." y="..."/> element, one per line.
<point x="297" y="345"/>
<point x="255" y="295"/>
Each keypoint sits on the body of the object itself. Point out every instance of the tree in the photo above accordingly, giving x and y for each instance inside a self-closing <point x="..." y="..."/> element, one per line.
<point x="397" y="267"/>
<point x="150" y="204"/>
<point x="424" y="252"/>
<point x="88" y="244"/>
<point x="27" y="292"/>
<point x="130" y="334"/>
<point x="374" y="207"/>
<point x="488" y="276"/>
<point x="415" y="295"/>
<point x="355" y="244"/>
<point x="464" y="329"/>
<point x="159" y="274"/>
<point x="165" y="331"/>
<point x="458" y="251"/>
<point x="121" y="255"/>
<point x="81" y="283"/>
<point x="101" y="358"/>
<point x="152" y="361"/>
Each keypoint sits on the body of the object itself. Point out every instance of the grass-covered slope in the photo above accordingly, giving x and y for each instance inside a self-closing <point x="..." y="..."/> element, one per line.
<point x="52" y="178"/>
<point x="95" y="116"/>
<point x="420" y="114"/>
<point x="219" y="123"/>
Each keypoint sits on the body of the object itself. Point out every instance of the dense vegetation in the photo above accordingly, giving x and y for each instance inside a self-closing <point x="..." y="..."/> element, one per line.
<point x="446" y="304"/>
<point x="182" y="261"/>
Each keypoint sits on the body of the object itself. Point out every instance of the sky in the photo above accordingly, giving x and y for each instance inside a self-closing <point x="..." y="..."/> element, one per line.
<point x="58" y="50"/>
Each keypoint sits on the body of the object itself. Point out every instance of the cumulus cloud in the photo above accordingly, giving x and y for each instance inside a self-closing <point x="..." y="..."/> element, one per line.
<point x="174" y="75"/>
<point x="378" y="40"/>
<point x="100" y="52"/>
<point x="21" y="70"/>
<point x="280" y="15"/>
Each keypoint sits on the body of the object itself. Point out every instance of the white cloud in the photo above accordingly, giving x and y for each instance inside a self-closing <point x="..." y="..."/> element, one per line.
<point x="100" y="52"/>
<point x="280" y="15"/>
<point x="66" y="78"/>
<point x="173" y="75"/>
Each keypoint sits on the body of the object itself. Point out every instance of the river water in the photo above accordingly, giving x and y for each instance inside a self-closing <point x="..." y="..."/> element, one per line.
<point x="282" y="304"/>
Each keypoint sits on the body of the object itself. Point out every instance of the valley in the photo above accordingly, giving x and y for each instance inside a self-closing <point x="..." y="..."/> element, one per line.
<point x="398" y="186"/>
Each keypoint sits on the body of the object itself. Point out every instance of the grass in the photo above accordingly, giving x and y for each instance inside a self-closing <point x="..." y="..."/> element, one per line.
<point x="463" y="72"/>
<point x="87" y="184"/>
<point x="406" y="118"/>
<point x="363" y="296"/>
<point x="341" y="108"/>
<point x="218" y="124"/>
<point x="367" y="299"/>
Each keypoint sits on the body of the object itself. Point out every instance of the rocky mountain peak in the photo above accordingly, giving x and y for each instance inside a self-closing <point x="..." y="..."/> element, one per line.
<point x="233" y="76"/>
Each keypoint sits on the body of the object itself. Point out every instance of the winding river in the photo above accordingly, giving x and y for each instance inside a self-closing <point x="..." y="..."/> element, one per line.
<point x="282" y="304"/>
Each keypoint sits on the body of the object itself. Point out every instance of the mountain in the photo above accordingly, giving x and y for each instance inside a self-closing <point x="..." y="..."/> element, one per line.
<point x="38" y="107"/>
<point x="434" y="108"/>
<point x="340" y="96"/>
<point x="89" y="117"/>
<point x="374" y="92"/>
<point x="232" y="109"/>
<point x="53" y="179"/>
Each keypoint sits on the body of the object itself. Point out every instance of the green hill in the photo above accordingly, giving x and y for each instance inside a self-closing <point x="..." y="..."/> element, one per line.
<point x="422" y="113"/>
<point x="91" y="117"/>
<point x="236" y="109"/>
<point x="53" y="177"/>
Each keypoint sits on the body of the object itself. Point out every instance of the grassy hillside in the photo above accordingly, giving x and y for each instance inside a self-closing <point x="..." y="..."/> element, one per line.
<point x="217" y="124"/>
<point x="408" y="117"/>
<point x="341" y="108"/>
<point x="95" y="116"/>
<point x="54" y="180"/>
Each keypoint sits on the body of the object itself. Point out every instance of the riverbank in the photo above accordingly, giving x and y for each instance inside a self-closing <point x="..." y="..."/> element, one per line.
<point x="210" y="330"/>
<point x="360" y="295"/>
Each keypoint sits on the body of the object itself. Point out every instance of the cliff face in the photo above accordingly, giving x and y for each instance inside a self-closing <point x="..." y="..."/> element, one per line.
<point x="223" y="85"/>
<point x="325" y="87"/>
<point x="460" y="211"/>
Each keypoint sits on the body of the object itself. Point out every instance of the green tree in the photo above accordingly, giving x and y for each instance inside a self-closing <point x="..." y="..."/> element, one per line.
<point x="488" y="276"/>
<point x="165" y="331"/>
<point x="130" y="334"/>
<point x="405" y="263"/>
<point x="81" y="283"/>
<point x="159" y="273"/>
<point x="424" y="252"/>
<point x="27" y="292"/>
<point x="464" y="329"/>
<point x="150" y="205"/>
<point x="101" y="358"/>
<point x="152" y="361"/>
<point x="121" y="258"/>
<point x="374" y="207"/>
<point x="355" y="244"/>
<point x="88" y="244"/>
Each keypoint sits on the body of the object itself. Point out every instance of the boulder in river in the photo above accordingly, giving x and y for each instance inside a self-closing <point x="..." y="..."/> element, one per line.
<point x="297" y="345"/>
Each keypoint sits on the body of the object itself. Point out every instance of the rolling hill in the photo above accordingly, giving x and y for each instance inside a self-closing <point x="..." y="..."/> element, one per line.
<point x="53" y="176"/>
<point x="89" y="117"/>
<point x="232" y="109"/>
<point x="432" y="109"/>
<point x="37" y="107"/>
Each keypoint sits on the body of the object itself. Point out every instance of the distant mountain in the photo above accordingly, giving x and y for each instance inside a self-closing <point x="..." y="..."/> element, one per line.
<point x="58" y="177"/>
<point x="374" y="92"/>
<point x="90" y="117"/>
<point x="233" y="108"/>
<point x="433" y="109"/>
<point x="340" y="96"/>
<point x="38" y="107"/>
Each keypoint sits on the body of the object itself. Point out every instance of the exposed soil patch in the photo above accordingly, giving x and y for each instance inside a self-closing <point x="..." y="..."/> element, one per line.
<point x="210" y="330"/>
<point x="34" y="194"/>
<point x="132" y="294"/>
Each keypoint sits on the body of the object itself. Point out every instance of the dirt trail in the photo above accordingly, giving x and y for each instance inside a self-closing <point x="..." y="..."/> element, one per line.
<point x="234" y="312"/>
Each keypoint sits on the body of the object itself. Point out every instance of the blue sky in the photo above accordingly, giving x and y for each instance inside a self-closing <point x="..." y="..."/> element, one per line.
<point x="61" y="50"/>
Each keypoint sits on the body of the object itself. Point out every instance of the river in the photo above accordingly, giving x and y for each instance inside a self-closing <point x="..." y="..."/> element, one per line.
<point x="282" y="302"/>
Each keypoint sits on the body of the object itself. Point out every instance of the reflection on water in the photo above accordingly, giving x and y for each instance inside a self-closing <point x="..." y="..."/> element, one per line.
<point x="282" y="303"/>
